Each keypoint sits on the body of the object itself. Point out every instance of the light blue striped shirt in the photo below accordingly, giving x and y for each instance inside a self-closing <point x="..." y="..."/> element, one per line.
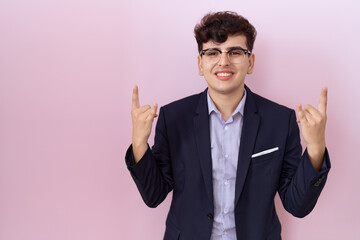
<point x="225" y="143"/>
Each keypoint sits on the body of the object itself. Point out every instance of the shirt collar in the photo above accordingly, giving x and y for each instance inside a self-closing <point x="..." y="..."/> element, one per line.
<point x="239" y="108"/>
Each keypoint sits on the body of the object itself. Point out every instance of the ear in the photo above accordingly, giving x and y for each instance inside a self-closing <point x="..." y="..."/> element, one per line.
<point x="251" y="64"/>
<point x="201" y="71"/>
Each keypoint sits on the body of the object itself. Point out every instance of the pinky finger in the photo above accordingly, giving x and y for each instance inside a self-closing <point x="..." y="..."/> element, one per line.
<point x="152" y="113"/>
<point x="300" y="114"/>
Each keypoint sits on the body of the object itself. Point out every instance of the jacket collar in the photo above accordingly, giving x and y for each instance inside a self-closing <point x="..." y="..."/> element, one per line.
<point x="202" y="135"/>
<point x="250" y="127"/>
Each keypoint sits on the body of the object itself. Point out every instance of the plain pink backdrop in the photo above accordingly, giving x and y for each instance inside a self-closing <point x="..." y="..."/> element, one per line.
<point x="67" y="69"/>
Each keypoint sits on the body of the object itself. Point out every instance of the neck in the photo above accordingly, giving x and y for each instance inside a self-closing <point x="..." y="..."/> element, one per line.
<point x="226" y="103"/>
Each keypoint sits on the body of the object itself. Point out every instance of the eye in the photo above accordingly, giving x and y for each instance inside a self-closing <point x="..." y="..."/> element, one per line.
<point x="211" y="53"/>
<point x="235" y="53"/>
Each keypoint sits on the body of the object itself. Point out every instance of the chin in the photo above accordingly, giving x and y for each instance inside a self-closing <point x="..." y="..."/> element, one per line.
<point x="228" y="89"/>
<point x="224" y="90"/>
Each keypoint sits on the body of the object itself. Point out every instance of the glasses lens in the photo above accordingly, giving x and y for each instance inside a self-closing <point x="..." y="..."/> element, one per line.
<point x="211" y="56"/>
<point x="236" y="55"/>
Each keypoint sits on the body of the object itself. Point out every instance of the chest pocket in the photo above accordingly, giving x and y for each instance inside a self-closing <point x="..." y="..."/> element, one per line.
<point x="264" y="158"/>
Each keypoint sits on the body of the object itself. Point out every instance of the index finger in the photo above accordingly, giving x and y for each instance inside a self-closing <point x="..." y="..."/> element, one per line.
<point x="135" y="97"/>
<point x="323" y="100"/>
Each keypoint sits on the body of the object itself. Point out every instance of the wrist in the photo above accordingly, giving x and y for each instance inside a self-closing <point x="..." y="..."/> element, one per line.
<point x="316" y="149"/>
<point x="316" y="155"/>
<point x="139" y="149"/>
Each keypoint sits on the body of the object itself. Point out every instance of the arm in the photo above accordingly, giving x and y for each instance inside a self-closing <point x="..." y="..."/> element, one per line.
<point x="313" y="122"/>
<point x="150" y="169"/>
<point x="142" y="120"/>
<point x="302" y="182"/>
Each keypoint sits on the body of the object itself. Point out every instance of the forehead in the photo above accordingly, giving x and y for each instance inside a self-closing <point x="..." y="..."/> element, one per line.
<point x="231" y="41"/>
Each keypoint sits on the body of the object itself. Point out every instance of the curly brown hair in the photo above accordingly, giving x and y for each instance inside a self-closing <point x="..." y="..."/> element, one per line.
<point x="218" y="26"/>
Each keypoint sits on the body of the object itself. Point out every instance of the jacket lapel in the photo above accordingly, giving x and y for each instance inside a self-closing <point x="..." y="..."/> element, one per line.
<point x="202" y="135"/>
<point x="249" y="132"/>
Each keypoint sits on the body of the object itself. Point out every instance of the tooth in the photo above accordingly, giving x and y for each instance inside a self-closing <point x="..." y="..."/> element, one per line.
<point x="224" y="74"/>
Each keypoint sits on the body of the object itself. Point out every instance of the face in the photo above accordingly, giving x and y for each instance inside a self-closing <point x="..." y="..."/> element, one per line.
<point x="224" y="77"/>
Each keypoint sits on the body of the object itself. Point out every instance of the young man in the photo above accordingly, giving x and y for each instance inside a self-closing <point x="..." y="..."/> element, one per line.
<point x="226" y="151"/>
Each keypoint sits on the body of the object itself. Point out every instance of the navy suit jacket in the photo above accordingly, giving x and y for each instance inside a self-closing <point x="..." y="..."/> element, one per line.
<point x="180" y="160"/>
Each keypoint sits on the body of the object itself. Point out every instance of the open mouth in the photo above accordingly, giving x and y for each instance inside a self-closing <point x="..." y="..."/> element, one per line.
<point x="224" y="75"/>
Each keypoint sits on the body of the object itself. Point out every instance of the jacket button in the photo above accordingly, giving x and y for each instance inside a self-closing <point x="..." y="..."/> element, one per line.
<point x="210" y="216"/>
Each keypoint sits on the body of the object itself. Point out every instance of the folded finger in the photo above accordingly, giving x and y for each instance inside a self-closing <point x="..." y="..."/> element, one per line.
<point x="309" y="117"/>
<point x="144" y="108"/>
<point x="313" y="112"/>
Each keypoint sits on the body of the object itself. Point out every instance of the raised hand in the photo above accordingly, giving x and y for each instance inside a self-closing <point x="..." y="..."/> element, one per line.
<point x="142" y="120"/>
<point x="313" y="122"/>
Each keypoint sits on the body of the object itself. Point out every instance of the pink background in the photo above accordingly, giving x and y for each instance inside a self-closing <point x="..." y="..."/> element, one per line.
<point x="67" y="69"/>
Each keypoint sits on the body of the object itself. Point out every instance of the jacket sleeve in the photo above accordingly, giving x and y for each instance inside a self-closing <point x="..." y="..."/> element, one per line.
<point x="300" y="184"/>
<point x="152" y="174"/>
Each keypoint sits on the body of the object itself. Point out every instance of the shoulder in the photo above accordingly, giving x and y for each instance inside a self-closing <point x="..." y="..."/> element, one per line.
<point x="184" y="105"/>
<point x="267" y="104"/>
<point x="273" y="116"/>
<point x="269" y="108"/>
<point x="180" y="113"/>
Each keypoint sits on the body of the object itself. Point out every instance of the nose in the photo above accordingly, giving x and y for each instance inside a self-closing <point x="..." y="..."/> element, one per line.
<point x="224" y="59"/>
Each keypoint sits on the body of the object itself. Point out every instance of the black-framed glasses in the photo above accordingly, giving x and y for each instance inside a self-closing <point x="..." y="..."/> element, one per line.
<point x="235" y="54"/>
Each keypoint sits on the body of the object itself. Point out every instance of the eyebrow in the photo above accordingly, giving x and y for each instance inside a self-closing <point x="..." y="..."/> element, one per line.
<point x="229" y="48"/>
<point x="235" y="47"/>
